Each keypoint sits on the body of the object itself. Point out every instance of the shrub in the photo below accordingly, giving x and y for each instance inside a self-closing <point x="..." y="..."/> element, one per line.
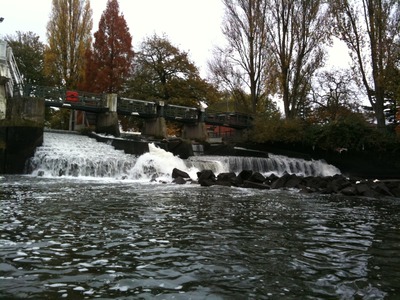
<point x="275" y="129"/>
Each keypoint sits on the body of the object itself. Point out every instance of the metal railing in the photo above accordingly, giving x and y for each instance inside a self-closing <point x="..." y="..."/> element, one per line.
<point x="137" y="107"/>
<point x="52" y="94"/>
<point x="184" y="113"/>
<point x="230" y="119"/>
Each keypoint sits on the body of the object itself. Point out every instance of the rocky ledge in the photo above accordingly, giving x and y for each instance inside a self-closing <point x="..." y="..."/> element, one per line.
<point x="337" y="184"/>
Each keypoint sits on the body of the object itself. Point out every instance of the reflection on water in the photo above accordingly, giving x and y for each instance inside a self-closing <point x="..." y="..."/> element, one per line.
<point x="72" y="239"/>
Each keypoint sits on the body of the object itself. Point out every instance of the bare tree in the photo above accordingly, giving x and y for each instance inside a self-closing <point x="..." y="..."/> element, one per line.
<point x="297" y="34"/>
<point x="334" y="95"/>
<point x="242" y="64"/>
<point x="371" y="30"/>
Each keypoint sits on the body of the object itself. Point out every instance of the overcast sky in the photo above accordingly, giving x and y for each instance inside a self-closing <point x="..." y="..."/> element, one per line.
<point x="191" y="25"/>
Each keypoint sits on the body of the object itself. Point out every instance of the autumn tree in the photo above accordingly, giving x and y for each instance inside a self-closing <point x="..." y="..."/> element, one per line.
<point x="371" y="31"/>
<point x="242" y="64"/>
<point x="29" y="54"/>
<point x="164" y="72"/>
<point x="112" y="54"/>
<point x="68" y="35"/>
<point x="297" y="34"/>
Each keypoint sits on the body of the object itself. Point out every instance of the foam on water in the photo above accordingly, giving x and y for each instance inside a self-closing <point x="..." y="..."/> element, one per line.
<point x="70" y="155"/>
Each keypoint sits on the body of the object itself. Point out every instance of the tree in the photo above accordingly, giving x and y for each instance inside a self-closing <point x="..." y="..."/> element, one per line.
<point x="370" y="28"/>
<point x="297" y="34"/>
<point x="243" y="63"/>
<point x="29" y="54"/>
<point x="163" y="72"/>
<point x="112" y="51"/>
<point x="68" y="34"/>
<point x="334" y="95"/>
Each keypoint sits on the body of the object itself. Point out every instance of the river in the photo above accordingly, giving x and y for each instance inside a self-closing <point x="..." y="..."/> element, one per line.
<point x="124" y="237"/>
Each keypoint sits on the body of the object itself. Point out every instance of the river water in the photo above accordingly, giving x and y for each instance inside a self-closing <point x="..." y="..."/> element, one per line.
<point x="68" y="234"/>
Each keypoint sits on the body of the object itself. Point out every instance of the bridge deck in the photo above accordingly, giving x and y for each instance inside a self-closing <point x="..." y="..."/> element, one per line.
<point x="78" y="100"/>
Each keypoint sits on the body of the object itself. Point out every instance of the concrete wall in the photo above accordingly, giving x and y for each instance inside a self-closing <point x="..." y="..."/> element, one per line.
<point x="3" y="102"/>
<point x="155" y="127"/>
<point x="196" y="132"/>
<point x="20" y="133"/>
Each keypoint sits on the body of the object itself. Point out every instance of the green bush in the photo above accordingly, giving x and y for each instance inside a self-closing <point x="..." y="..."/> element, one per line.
<point x="351" y="132"/>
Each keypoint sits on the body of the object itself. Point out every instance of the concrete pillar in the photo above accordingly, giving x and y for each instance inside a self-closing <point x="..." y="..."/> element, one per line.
<point x="108" y="122"/>
<point x="196" y="131"/>
<point x="156" y="127"/>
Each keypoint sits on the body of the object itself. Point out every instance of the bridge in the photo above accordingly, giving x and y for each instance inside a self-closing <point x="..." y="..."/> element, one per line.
<point x="91" y="102"/>
<point x="147" y="110"/>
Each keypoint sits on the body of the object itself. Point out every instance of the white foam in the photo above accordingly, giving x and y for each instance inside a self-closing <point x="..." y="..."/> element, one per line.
<point x="76" y="156"/>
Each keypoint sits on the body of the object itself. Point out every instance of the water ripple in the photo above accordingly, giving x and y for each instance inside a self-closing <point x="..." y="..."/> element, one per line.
<point x="68" y="239"/>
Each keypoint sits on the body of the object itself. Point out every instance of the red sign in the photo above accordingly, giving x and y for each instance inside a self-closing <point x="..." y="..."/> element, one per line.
<point x="72" y="96"/>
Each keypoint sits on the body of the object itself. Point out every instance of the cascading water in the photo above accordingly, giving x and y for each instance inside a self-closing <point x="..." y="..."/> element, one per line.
<point x="274" y="164"/>
<point x="73" y="155"/>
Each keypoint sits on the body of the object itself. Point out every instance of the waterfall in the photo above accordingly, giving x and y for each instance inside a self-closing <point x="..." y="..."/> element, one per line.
<point x="71" y="155"/>
<point x="274" y="164"/>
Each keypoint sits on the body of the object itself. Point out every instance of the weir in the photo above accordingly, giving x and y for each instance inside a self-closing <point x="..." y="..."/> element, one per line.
<point x="80" y="156"/>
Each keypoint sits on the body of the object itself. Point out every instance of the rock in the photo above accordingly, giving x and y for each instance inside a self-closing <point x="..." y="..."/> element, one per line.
<point x="245" y="175"/>
<point x="226" y="179"/>
<point x="206" y="178"/>
<point x="363" y="188"/>
<point x="255" y="185"/>
<point x="270" y="179"/>
<point x="349" y="191"/>
<point x="293" y="181"/>
<point x="337" y="184"/>
<point x="179" y="180"/>
<point x="205" y="174"/>
<point x="226" y="176"/>
<point x="179" y="173"/>
<point x="316" y="183"/>
<point x="381" y="188"/>
<point x="340" y="182"/>
<point x="280" y="182"/>
<point x="394" y="187"/>
<point x="257" y="177"/>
